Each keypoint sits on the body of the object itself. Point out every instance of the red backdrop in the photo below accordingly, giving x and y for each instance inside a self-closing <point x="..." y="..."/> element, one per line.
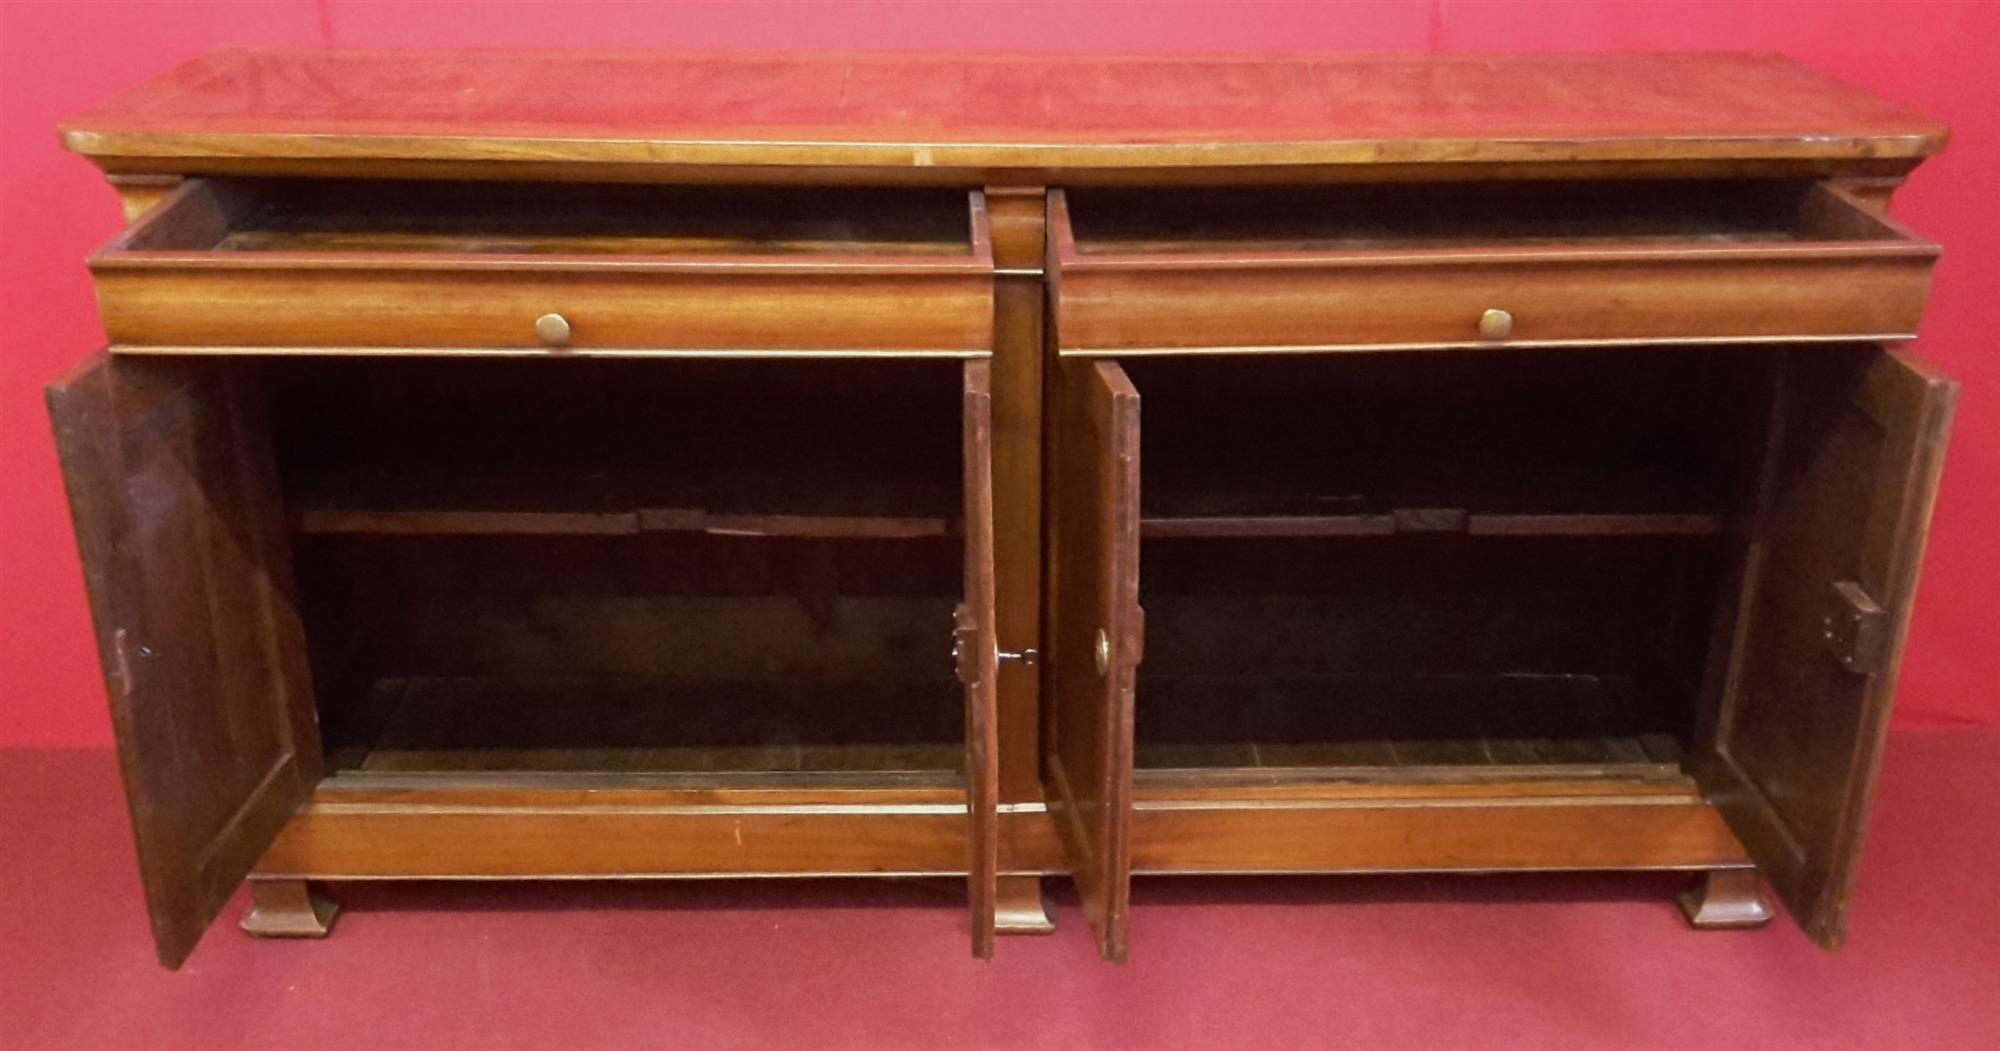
<point x="56" y="58"/>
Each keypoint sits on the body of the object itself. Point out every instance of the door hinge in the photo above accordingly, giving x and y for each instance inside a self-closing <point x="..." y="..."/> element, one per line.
<point x="965" y="645"/>
<point x="1856" y="629"/>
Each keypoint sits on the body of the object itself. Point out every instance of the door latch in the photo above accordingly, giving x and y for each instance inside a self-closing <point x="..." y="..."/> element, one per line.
<point x="1856" y="629"/>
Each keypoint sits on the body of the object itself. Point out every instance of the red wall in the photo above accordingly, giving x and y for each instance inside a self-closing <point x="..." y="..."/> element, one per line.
<point x="56" y="58"/>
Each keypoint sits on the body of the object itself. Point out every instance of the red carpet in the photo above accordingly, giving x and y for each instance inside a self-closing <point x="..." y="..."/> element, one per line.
<point x="1391" y="962"/>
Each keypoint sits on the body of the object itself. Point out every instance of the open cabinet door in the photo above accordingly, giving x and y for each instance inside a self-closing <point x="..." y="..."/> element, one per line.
<point x="1791" y="760"/>
<point x="1096" y="640"/>
<point x="180" y="525"/>
<point x="977" y="651"/>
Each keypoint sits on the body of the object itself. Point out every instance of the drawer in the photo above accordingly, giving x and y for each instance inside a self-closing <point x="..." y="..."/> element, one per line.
<point x="321" y="267"/>
<point x="1444" y="265"/>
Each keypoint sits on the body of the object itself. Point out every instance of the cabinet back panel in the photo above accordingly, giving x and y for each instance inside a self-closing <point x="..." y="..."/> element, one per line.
<point x="1512" y="431"/>
<point x="1422" y="649"/>
<point x="856" y="439"/>
<point x="540" y="652"/>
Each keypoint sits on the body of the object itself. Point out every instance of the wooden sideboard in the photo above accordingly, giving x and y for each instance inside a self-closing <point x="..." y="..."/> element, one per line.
<point x="552" y="466"/>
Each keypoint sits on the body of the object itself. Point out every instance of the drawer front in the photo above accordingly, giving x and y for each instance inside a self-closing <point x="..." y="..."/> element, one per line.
<point x="181" y="282"/>
<point x="643" y="311"/>
<point x="1120" y="304"/>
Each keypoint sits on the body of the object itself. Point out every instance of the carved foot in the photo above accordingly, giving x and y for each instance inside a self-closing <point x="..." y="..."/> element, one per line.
<point x="1725" y="899"/>
<point x="1019" y="908"/>
<point x="287" y="908"/>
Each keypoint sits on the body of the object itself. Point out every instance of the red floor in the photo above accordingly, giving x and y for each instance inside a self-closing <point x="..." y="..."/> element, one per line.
<point x="1385" y="962"/>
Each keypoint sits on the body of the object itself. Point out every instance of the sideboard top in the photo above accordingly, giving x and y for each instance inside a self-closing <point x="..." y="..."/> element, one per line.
<point x="389" y="112"/>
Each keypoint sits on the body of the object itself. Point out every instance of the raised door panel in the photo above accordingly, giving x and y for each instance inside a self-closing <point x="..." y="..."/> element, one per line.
<point x="978" y="655"/>
<point x="1096" y="640"/>
<point x="180" y="526"/>
<point x="1797" y="739"/>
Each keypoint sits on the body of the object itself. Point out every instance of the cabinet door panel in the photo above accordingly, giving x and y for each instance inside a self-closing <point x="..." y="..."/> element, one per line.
<point x="180" y="526"/>
<point x="1792" y="758"/>
<point x="1096" y="641"/>
<point x="978" y="655"/>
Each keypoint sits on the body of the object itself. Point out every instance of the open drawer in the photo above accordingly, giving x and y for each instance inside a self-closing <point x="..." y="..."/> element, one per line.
<point x="1471" y="264"/>
<point x="309" y="266"/>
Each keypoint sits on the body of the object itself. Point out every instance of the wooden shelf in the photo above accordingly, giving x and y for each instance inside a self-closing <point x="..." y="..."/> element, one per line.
<point x="1431" y="521"/>
<point x="446" y="522"/>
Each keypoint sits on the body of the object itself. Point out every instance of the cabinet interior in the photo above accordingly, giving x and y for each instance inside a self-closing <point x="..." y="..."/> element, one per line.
<point x="1506" y="559"/>
<point x="720" y="568"/>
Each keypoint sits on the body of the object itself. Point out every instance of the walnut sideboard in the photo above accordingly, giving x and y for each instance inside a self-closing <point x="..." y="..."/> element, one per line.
<point x="554" y="466"/>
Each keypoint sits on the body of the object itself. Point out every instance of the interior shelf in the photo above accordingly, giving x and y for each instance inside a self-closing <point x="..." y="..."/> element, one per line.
<point x="1431" y="520"/>
<point x="439" y="500"/>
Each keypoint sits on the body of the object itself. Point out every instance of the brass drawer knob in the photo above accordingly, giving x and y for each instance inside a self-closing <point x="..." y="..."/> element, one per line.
<point x="553" y="329"/>
<point x="1496" y="324"/>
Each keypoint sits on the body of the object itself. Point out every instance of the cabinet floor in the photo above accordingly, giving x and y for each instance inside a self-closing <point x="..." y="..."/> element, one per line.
<point x="1271" y="722"/>
<point x="1389" y="962"/>
<point x="644" y="725"/>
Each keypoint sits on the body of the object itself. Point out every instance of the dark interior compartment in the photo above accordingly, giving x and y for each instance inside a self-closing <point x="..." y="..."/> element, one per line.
<point x="1367" y="217"/>
<point x="740" y="568"/>
<point x="1419" y="651"/>
<point x="517" y="218"/>
<point x="1503" y="560"/>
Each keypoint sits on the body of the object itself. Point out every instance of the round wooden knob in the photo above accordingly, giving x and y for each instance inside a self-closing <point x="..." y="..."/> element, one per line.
<point x="1496" y="324"/>
<point x="553" y="329"/>
<point x="1103" y="652"/>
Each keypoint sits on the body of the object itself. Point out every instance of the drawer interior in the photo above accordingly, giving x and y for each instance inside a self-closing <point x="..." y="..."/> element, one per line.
<point x="739" y="570"/>
<point x="1505" y="561"/>
<point x="570" y="219"/>
<point x="1370" y="217"/>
